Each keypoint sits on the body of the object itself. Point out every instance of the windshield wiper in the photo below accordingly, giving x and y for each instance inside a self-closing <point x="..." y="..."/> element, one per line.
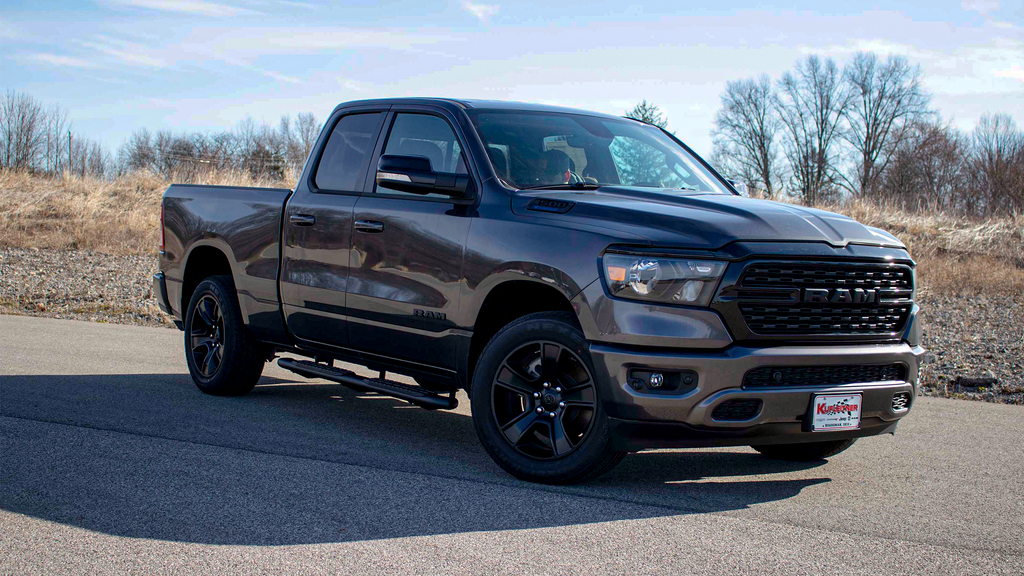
<point x="565" y="185"/>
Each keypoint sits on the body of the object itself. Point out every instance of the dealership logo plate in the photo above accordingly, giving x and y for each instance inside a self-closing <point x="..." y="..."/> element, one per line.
<point x="831" y="412"/>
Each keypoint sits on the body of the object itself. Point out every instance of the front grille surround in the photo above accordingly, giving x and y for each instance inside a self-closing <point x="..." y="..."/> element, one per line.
<point x="779" y="300"/>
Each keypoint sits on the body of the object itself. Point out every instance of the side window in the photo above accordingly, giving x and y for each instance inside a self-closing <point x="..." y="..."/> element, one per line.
<point x="429" y="136"/>
<point x="347" y="153"/>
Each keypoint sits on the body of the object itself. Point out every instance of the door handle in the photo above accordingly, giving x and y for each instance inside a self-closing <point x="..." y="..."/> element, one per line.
<point x="369" y="226"/>
<point x="302" y="219"/>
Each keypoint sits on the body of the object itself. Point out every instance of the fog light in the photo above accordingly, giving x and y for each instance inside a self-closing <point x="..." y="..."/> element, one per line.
<point x="656" y="380"/>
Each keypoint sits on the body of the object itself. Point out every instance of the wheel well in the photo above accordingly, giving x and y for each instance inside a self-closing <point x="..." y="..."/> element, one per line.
<point x="203" y="262"/>
<point x="505" y="303"/>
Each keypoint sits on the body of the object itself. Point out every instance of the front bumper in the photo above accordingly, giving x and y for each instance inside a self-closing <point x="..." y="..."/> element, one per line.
<point x="648" y="420"/>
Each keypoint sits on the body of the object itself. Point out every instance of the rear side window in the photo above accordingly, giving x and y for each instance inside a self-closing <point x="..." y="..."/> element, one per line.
<point x="428" y="136"/>
<point x="347" y="153"/>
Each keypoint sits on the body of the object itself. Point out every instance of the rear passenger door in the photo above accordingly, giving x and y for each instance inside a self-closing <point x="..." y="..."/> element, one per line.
<point x="407" y="249"/>
<point x="317" y="232"/>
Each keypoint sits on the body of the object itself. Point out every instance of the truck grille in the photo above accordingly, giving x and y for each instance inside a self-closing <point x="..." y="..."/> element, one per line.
<point x="824" y="319"/>
<point x="826" y="275"/>
<point x="812" y="300"/>
<point x="823" y="375"/>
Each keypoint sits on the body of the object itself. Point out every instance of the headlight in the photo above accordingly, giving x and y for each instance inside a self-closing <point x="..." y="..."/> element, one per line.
<point x="667" y="280"/>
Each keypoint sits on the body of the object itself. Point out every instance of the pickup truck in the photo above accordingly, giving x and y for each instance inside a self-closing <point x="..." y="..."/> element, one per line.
<point x="591" y="283"/>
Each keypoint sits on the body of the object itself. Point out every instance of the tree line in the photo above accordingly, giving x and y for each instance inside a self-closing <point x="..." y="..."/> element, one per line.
<point x="42" y="140"/>
<point x="823" y="134"/>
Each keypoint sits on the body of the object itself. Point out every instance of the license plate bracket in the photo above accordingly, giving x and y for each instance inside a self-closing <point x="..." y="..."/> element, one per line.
<point x="834" y="412"/>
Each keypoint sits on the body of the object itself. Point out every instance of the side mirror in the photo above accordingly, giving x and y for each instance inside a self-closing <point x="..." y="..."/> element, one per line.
<point x="414" y="174"/>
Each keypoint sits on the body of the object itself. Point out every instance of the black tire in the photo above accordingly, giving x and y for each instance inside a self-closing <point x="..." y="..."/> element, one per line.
<point x="223" y="358"/>
<point x="590" y="456"/>
<point x="805" y="452"/>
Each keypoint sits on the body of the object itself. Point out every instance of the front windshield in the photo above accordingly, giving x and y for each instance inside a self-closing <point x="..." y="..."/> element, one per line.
<point x="537" y="149"/>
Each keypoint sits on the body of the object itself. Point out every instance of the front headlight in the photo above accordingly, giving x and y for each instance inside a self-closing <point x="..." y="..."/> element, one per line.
<point x="667" y="280"/>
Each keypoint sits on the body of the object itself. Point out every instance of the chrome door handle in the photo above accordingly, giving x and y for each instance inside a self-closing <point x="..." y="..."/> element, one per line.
<point x="369" y="226"/>
<point x="302" y="219"/>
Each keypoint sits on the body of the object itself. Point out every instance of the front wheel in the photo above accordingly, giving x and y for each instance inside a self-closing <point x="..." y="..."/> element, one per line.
<point x="804" y="452"/>
<point x="223" y="358"/>
<point x="536" y="405"/>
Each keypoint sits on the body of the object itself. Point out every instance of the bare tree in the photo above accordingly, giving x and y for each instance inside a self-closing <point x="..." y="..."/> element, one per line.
<point x="21" y="131"/>
<point x="649" y="113"/>
<point x="744" y="136"/>
<point x="886" y="98"/>
<point x="997" y="164"/>
<point x="306" y="131"/>
<point x="811" y="102"/>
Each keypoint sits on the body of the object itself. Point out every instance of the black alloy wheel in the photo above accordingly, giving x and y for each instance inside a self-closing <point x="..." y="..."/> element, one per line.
<point x="538" y="406"/>
<point x="207" y="336"/>
<point x="544" y="400"/>
<point x="223" y="357"/>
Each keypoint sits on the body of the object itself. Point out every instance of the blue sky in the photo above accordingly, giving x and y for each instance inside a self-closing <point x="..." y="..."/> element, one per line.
<point x="117" y="65"/>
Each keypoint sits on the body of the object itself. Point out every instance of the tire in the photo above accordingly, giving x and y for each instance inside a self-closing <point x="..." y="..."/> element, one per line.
<point x="570" y="447"/>
<point x="223" y="358"/>
<point x="805" y="452"/>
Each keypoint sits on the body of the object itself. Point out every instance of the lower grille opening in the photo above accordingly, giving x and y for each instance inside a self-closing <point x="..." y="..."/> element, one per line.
<point x="823" y="375"/>
<point x="736" y="410"/>
<point x="901" y="402"/>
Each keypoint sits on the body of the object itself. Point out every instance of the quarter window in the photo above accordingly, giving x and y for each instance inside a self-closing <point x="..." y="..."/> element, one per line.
<point x="347" y="153"/>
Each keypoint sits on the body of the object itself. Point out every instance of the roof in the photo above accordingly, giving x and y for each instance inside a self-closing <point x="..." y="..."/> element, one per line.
<point x="482" y="105"/>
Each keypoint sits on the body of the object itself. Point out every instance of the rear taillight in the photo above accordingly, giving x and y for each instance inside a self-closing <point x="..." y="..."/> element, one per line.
<point x="162" y="242"/>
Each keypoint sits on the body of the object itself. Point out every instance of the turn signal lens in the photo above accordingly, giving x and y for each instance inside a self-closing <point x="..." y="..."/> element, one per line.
<point x="616" y="273"/>
<point x="668" y="280"/>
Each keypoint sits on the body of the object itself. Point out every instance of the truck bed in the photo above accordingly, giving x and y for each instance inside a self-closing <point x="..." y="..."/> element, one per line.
<point x="245" y="224"/>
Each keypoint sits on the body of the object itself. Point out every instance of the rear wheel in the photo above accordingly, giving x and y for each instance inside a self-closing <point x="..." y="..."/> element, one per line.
<point x="804" y="452"/>
<point x="223" y="358"/>
<point x="536" y="405"/>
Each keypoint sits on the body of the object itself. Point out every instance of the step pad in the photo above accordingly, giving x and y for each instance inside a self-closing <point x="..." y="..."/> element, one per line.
<point x="413" y="394"/>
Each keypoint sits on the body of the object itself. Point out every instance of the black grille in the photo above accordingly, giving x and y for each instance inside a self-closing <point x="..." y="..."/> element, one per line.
<point x="824" y="275"/>
<point x="824" y="318"/>
<point x="734" y="410"/>
<point x="823" y="375"/>
<point x="780" y="299"/>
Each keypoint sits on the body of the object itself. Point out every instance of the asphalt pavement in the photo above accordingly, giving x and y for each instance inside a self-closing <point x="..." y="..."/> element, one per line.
<point x="112" y="462"/>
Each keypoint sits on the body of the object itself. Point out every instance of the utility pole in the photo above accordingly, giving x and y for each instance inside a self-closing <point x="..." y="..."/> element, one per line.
<point x="70" y="168"/>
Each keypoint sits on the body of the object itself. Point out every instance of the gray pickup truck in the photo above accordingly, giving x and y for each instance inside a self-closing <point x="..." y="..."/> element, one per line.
<point x="591" y="283"/>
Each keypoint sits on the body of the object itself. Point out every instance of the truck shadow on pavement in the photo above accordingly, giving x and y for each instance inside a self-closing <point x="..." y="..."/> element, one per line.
<point x="301" y="462"/>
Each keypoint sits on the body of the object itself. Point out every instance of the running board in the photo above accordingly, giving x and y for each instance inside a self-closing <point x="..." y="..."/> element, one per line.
<point x="412" y="394"/>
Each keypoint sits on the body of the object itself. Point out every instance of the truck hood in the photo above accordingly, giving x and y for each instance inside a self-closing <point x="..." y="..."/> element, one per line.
<point x="705" y="221"/>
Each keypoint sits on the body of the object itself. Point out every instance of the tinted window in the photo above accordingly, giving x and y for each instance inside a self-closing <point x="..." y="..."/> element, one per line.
<point x="347" y="153"/>
<point x="428" y="136"/>
<point x="531" y="149"/>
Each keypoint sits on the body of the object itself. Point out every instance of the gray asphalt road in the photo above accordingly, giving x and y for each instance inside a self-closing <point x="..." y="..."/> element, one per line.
<point x="111" y="461"/>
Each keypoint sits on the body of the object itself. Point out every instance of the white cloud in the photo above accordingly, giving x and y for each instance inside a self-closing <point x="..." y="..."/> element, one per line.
<point x="62" y="60"/>
<point x="199" y="7"/>
<point x="354" y="85"/>
<point x="1015" y="71"/>
<point x="482" y="12"/>
<point x="128" y="56"/>
<point x="980" y="6"/>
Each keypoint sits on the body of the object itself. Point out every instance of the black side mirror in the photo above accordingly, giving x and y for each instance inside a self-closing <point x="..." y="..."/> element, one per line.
<point x="414" y="174"/>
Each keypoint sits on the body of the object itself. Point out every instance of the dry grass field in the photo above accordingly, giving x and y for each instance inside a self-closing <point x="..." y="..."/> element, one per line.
<point x="99" y="233"/>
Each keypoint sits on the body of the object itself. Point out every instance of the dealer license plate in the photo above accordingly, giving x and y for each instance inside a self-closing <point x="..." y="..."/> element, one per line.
<point x="830" y="412"/>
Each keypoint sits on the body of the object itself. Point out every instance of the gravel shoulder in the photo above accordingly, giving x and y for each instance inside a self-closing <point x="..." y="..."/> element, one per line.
<point x="976" y="345"/>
